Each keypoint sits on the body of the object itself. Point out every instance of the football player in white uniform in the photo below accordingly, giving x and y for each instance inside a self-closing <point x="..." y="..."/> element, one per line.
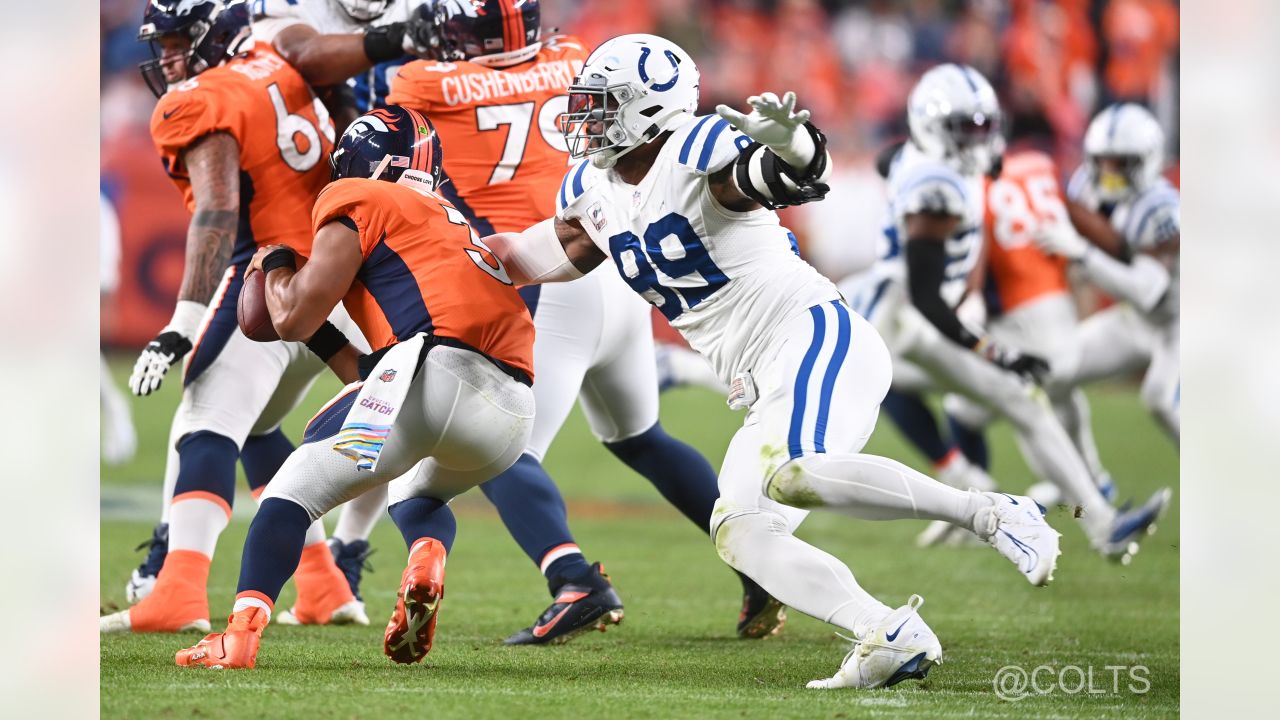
<point x="1121" y="179"/>
<point x="119" y="438"/>
<point x="933" y="244"/>
<point x="683" y="207"/>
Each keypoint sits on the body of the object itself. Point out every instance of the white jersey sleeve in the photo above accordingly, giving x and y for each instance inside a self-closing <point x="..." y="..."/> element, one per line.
<point x="577" y="199"/>
<point x="707" y="144"/>
<point x="1153" y="218"/>
<point x="1080" y="189"/>
<point x="928" y="187"/>
<point x="272" y="17"/>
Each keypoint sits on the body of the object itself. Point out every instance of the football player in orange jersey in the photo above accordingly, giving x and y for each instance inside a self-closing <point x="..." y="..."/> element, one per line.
<point x="494" y="94"/>
<point x="242" y="137"/>
<point x="447" y="388"/>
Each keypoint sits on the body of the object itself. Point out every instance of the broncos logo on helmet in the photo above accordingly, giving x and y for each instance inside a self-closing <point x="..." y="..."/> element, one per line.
<point x="386" y="142"/>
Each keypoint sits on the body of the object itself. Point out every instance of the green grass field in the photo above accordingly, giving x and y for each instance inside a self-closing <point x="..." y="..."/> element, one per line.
<point x="675" y="655"/>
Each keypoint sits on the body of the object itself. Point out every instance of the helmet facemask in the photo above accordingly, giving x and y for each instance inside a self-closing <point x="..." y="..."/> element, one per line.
<point x="218" y="33"/>
<point x="593" y="124"/>
<point x="1115" y="177"/>
<point x="973" y="140"/>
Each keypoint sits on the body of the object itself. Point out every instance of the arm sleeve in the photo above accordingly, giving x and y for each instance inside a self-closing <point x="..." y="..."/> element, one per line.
<point x="534" y="256"/>
<point x="1143" y="282"/>
<point x="926" y="270"/>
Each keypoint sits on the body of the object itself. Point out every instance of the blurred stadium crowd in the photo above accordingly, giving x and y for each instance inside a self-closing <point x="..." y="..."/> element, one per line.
<point x="1054" y="63"/>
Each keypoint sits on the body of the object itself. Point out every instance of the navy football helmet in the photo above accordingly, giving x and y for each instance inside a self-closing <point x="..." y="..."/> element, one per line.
<point x="488" y="32"/>
<point x="384" y="143"/>
<point x="216" y="28"/>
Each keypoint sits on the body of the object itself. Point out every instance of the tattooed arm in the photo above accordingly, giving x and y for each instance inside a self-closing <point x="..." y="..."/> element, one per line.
<point x="213" y="164"/>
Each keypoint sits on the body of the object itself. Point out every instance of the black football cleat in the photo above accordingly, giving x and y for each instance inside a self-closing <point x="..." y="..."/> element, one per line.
<point x="590" y="602"/>
<point x="353" y="560"/>
<point x="762" y="615"/>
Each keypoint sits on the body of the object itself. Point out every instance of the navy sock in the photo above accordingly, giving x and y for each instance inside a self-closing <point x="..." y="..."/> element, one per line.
<point x="680" y="473"/>
<point x="533" y="511"/>
<point x="207" y="463"/>
<point x="421" y="517"/>
<point x="916" y="421"/>
<point x="973" y="443"/>
<point x="262" y="456"/>
<point x="274" y="546"/>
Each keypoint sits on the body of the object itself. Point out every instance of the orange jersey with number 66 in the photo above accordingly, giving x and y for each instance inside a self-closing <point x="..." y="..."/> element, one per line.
<point x="425" y="270"/>
<point x="1025" y="196"/>
<point x="284" y="133"/>
<point x="503" y="152"/>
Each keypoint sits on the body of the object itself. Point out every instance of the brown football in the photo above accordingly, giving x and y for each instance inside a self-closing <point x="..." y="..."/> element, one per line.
<point x="251" y="309"/>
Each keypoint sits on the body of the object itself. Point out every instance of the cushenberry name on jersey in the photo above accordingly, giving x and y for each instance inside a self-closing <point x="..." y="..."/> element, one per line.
<point x="483" y="86"/>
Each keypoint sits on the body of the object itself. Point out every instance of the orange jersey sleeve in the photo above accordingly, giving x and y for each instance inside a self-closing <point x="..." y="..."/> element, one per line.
<point x="503" y="151"/>
<point x="425" y="271"/>
<point x="284" y="135"/>
<point x="1025" y="196"/>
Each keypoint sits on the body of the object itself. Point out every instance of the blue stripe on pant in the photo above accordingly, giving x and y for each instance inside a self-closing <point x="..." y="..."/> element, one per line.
<point x="798" y="443"/>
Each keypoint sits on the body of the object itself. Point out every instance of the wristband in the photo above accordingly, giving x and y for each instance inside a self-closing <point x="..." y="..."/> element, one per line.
<point x="327" y="341"/>
<point x="186" y="318"/>
<point x="384" y="43"/>
<point x="278" y="258"/>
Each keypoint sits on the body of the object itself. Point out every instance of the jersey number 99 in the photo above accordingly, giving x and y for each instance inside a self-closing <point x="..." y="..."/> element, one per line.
<point x="639" y="262"/>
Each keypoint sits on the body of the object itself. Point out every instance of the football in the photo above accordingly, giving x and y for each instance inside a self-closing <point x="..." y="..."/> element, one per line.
<point x="251" y="309"/>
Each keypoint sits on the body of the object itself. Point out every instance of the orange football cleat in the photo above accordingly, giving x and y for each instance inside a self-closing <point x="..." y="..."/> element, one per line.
<point x="177" y="603"/>
<point x="413" y="624"/>
<point x="234" y="648"/>
<point x="324" y="597"/>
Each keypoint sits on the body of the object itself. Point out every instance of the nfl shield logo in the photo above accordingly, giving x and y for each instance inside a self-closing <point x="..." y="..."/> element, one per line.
<point x="387" y="375"/>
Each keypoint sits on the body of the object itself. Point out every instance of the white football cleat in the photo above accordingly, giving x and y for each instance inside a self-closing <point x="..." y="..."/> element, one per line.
<point x="351" y="613"/>
<point x="1130" y="526"/>
<point x="899" y="647"/>
<point x="118" y="622"/>
<point x="139" y="586"/>
<point x="1015" y="525"/>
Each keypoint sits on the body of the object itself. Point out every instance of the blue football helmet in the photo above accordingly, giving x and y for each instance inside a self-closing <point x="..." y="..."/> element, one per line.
<point x="382" y="144"/>
<point x="216" y="28"/>
<point x="495" y="33"/>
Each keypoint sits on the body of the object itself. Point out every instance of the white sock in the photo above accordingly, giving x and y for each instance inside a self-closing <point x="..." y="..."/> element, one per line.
<point x="956" y="470"/>
<point x="1050" y="453"/>
<point x="246" y="602"/>
<point x="358" y="516"/>
<point x="872" y="488"/>
<point x="196" y="519"/>
<point x="315" y="533"/>
<point x="760" y="545"/>
<point x="170" y="478"/>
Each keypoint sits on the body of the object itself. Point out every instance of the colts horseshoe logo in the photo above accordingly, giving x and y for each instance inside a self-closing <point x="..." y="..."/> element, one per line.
<point x="675" y="65"/>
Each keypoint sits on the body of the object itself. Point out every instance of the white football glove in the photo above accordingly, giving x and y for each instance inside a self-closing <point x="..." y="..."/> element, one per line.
<point x="173" y="342"/>
<point x="775" y="123"/>
<point x="1060" y="238"/>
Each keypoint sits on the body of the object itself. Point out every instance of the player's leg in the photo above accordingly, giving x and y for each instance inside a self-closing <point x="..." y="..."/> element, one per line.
<point x="324" y="597"/>
<point x="569" y="319"/>
<point x="620" y="401"/>
<point x="227" y="382"/>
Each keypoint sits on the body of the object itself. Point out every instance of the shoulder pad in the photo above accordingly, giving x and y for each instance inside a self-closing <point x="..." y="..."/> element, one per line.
<point x="579" y="178"/>
<point x="417" y="83"/>
<point x="708" y="143"/>
<point x="933" y="188"/>
<point x="1154" y="218"/>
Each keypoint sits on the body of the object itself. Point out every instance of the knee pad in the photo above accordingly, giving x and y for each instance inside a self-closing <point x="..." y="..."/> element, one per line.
<point x="733" y="533"/>
<point x="790" y="486"/>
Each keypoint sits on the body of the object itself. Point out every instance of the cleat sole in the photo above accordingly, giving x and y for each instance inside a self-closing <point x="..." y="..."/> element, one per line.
<point x="411" y="641"/>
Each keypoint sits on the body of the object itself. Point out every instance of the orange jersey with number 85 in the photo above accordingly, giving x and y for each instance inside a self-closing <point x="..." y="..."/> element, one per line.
<point x="284" y="133"/>
<point x="1025" y="196"/>
<point x="503" y="152"/>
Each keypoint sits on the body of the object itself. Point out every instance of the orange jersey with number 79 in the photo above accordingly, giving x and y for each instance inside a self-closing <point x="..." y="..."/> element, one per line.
<point x="503" y="152"/>
<point x="1025" y="196"/>
<point x="284" y="133"/>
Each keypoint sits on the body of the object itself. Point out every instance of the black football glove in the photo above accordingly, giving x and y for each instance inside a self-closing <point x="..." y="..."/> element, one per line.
<point x="170" y="346"/>
<point x="1030" y="367"/>
<point x="422" y="33"/>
